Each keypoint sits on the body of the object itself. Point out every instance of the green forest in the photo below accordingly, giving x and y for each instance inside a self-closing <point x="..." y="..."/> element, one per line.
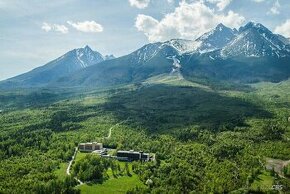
<point x="207" y="138"/>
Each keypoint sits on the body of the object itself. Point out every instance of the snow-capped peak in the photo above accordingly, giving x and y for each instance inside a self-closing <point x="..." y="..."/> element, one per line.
<point x="87" y="48"/>
<point x="216" y="38"/>
<point x="86" y="56"/>
<point x="220" y="27"/>
<point x="254" y="26"/>
<point x="212" y="40"/>
<point x="251" y="40"/>
<point x="182" y="45"/>
<point x="255" y="40"/>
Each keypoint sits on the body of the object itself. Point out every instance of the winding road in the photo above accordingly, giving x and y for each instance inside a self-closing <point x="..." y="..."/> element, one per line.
<point x="70" y="164"/>
<point x="110" y="130"/>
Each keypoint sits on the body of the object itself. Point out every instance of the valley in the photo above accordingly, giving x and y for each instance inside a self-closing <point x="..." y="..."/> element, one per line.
<point x="215" y="112"/>
<point x="224" y="130"/>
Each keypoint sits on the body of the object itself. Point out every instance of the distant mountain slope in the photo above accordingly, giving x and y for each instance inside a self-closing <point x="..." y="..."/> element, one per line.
<point x="283" y="39"/>
<point x="255" y="40"/>
<point x="183" y="46"/>
<point x="212" y="67"/>
<point x="251" y="54"/>
<point x="216" y="39"/>
<point x="148" y="61"/>
<point x="70" y="62"/>
<point x="254" y="54"/>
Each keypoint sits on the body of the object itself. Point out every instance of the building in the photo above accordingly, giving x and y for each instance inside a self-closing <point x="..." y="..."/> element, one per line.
<point x="132" y="156"/>
<point x="145" y="157"/>
<point x="90" y="146"/>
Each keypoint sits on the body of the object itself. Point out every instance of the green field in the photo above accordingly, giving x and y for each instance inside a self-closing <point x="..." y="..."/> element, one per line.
<point x="114" y="185"/>
<point x="264" y="182"/>
<point x="119" y="184"/>
<point x="61" y="171"/>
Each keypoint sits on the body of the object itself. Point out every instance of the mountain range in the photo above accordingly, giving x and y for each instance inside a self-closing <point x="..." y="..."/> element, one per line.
<point x="70" y="62"/>
<point x="250" y="54"/>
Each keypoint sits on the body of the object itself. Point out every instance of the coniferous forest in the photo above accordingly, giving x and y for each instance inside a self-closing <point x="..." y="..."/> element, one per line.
<point x="205" y="140"/>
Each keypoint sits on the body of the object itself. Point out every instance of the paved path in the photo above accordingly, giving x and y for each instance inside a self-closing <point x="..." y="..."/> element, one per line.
<point x="70" y="164"/>
<point x="277" y="165"/>
<point x="286" y="163"/>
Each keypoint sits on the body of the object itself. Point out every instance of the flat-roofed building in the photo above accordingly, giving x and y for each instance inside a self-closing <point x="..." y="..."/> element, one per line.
<point x="145" y="157"/>
<point x="90" y="146"/>
<point x="132" y="155"/>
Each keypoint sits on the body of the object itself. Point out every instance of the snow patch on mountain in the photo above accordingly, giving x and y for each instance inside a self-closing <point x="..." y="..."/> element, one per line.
<point x="176" y="66"/>
<point x="251" y="40"/>
<point x="145" y="53"/>
<point x="255" y="40"/>
<point x="216" y="38"/>
<point x="86" y="56"/>
<point x="79" y="56"/>
<point x="183" y="46"/>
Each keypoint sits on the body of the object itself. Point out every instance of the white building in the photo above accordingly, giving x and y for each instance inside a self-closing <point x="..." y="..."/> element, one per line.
<point x="90" y="146"/>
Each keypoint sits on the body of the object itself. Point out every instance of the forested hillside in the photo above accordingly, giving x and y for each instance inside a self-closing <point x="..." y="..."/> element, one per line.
<point x="205" y="139"/>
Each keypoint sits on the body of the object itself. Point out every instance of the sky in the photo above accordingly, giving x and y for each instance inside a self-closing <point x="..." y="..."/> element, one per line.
<point x="34" y="32"/>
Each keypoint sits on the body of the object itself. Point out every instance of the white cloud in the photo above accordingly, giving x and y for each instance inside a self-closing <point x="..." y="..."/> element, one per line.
<point x="189" y="20"/>
<point x="221" y="4"/>
<point x="284" y="29"/>
<point x="141" y="4"/>
<point x="46" y="27"/>
<point x="87" y="26"/>
<point x="146" y="24"/>
<point x="54" y="27"/>
<point x="275" y="9"/>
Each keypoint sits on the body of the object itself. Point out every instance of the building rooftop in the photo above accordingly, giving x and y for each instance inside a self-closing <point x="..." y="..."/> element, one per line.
<point x="131" y="151"/>
<point x="89" y="143"/>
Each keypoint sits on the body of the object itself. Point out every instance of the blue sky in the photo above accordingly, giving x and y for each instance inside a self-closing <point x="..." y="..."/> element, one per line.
<point x="33" y="32"/>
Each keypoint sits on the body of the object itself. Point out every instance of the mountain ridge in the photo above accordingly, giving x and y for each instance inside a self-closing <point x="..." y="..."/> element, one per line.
<point x="255" y="40"/>
<point x="219" y="53"/>
<point x="68" y="63"/>
<point x="216" y="38"/>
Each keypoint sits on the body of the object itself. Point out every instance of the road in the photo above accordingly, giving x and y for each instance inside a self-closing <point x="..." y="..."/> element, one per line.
<point x="70" y="164"/>
<point x="277" y="165"/>
<point x="110" y="130"/>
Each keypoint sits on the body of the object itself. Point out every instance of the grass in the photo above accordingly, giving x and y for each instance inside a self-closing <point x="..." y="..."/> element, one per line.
<point x="264" y="182"/>
<point x="80" y="155"/>
<point x="174" y="81"/>
<point x="61" y="171"/>
<point x="113" y="185"/>
<point x="121" y="184"/>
